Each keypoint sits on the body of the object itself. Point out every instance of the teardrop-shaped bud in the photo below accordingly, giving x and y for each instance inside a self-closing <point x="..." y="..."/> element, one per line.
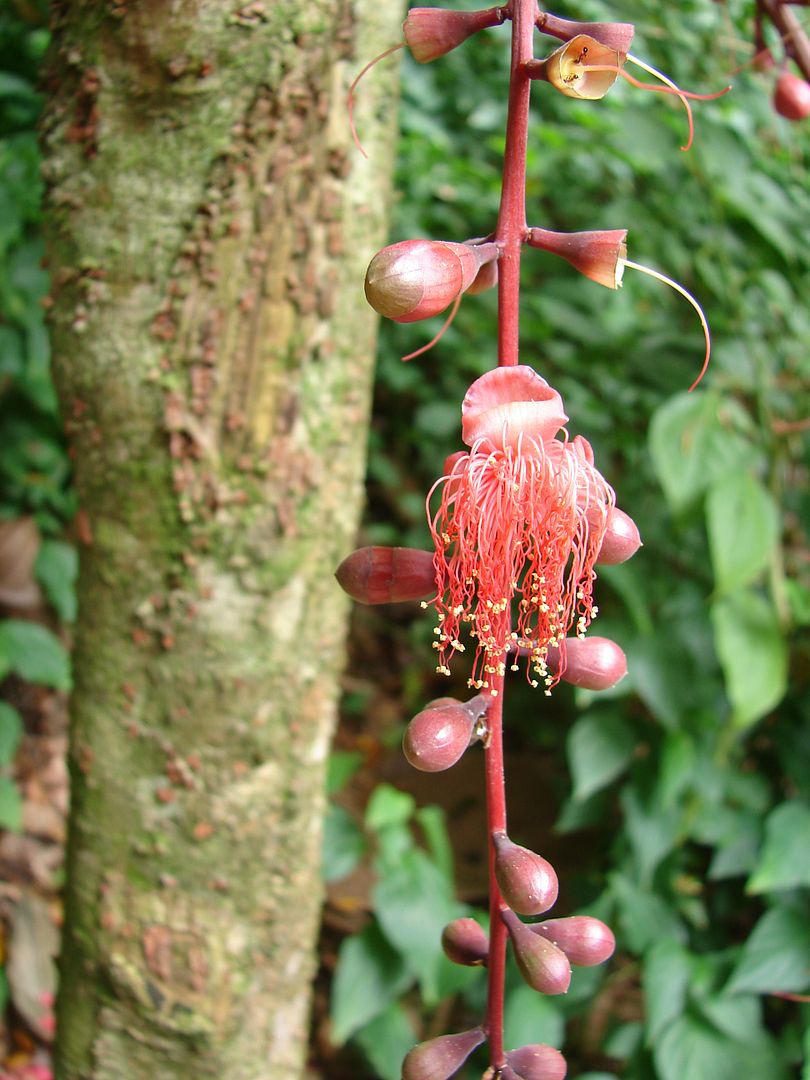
<point x="527" y="881"/>
<point x="537" y="1062"/>
<point x="594" y="663"/>
<point x="598" y="254"/>
<point x="508" y="403"/>
<point x="438" y="1059"/>
<point x="582" y="68"/>
<point x="584" y="940"/>
<point x="387" y="575"/>
<point x="791" y="97"/>
<point x="416" y="279"/>
<point x="465" y="942"/>
<point x="621" y="539"/>
<point x="432" y="32"/>
<point x="544" y="967"/>
<point x="616" y="36"/>
<point x="437" y="737"/>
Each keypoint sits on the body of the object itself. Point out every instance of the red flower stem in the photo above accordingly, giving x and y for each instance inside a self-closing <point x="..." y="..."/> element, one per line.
<point x="496" y="822"/>
<point x="512" y="230"/>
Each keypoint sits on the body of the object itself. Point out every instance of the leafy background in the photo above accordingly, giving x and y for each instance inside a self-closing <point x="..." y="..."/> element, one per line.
<point x="676" y="807"/>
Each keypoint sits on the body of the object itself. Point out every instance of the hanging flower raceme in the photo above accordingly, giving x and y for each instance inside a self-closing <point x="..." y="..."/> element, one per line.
<point x="522" y="518"/>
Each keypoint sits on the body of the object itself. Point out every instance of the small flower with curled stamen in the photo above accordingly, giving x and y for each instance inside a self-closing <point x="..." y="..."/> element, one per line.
<point x="518" y="530"/>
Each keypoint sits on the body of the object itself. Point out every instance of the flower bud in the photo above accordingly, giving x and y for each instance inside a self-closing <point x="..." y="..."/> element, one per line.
<point x="465" y="942"/>
<point x="437" y="736"/>
<point x="598" y="254"/>
<point x="544" y="967"/>
<point x="432" y="32"/>
<point x="537" y="1062"/>
<point x="584" y="940"/>
<point x="527" y="881"/>
<point x="621" y="539"/>
<point x="567" y="68"/>
<point x="616" y="36"/>
<point x="416" y="279"/>
<point x="438" y="1059"/>
<point x="486" y="278"/>
<point x="387" y="575"/>
<point x="791" y="97"/>
<point x="594" y="663"/>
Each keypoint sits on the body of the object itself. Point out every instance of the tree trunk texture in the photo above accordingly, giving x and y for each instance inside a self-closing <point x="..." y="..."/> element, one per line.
<point x="209" y="224"/>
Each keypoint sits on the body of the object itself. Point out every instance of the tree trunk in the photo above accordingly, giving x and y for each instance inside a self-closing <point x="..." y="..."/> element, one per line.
<point x="209" y="224"/>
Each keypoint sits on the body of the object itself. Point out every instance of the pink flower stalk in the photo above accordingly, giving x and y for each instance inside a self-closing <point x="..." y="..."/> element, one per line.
<point x="522" y="517"/>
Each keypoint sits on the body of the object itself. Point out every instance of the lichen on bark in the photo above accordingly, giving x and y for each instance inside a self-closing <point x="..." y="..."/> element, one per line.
<point x="208" y="222"/>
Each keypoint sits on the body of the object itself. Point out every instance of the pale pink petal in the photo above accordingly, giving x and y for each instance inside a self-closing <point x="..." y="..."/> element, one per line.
<point x="510" y="403"/>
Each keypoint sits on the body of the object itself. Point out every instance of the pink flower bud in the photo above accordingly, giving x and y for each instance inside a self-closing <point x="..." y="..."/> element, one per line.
<point x="387" y="575"/>
<point x="544" y="967"/>
<point x="432" y="32"/>
<point x="465" y="942"/>
<point x="416" y="279"/>
<point x="598" y="254"/>
<point x="527" y="881"/>
<point x="582" y="68"/>
<point x="616" y="36"/>
<point x="438" y="1059"/>
<point x="791" y="97"/>
<point x="508" y="403"/>
<point x="437" y="736"/>
<point x="594" y="663"/>
<point x="584" y="940"/>
<point x="537" y="1062"/>
<point x="621" y="539"/>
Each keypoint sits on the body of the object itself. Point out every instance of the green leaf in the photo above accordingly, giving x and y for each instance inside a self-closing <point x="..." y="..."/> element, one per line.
<point x="10" y="805"/>
<point x="694" y="1048"/>
<point x="434" y="826"/>
<point x="386" y="1040"/>
<point x="784" y="861"/>
<point x="651" y="829"/>
<point x="656" y="663"/>
<point x="600" y="747"/>
<point x="369" y="976"/>
<point x="752" y="654"/>
<point x="743" y="526"/>
<point x="644" y="918"/>
<point x="388" y="806"/>
<point x="11" y="731"/>
<point x="34" y="653"/>
<point x="56" y="569"/>
<point x="776" y="956"/>
<point x="343" y="844"/>
<point x="342" y="766"/>
<point x="531" y="1018"/>
<point x="693" y="441"/>
<point x="665" y="980"/>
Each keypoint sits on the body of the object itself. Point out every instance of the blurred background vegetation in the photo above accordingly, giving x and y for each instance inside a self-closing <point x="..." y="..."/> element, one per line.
<point x="676" y="807"/>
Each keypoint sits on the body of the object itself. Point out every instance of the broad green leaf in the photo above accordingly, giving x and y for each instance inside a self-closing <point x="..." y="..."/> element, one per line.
<point x="386" y="1040"/>
<point x="651" y="829"/>
<point x="784" y="861"/>
<point x="600" y="747"/>
<point x="743" y="526"/>
<point x="34" y="653"/>
<point x="693" y="441"/>
<point x="531" y="1018"/>
<point x="692" y="1048"/>
<point x="11" y="730"/>
<point x="644" y="919"/>
<point x="388" y="806"/>
<point x="10" y="805"/>
<point x="343" y="844"/>
<point x="665" y="979"/>
<point x="56" y="568"/>
<point x="752" y="654"/>
<point x="658" y="666"/>
<point x="776" y="956"/>
<point x="370" y="975"/>
<point x="432" y="821"/>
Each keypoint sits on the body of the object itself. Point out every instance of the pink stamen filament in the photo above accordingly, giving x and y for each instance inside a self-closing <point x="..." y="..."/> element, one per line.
<point x="353" y="87"/>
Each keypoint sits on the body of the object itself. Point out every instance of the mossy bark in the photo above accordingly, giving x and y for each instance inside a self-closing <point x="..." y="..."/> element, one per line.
<point x="209" y="225"/>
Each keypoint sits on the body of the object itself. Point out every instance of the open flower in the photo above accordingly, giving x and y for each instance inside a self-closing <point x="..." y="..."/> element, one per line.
<point x="521" y="518"/>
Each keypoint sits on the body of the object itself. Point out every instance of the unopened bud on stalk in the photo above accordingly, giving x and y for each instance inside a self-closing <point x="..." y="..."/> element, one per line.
<point x="416" y="279"/>
<point x="432" y="32"/>
<point x="791" y="97"/>
<point x="387" y="575"/>
<point x="599" y="254"/>
<point x="568" y="68"/>
<point x="537" y="1062"/>
<point x="465" y="942"/>
<point x="486" y="278"/>
<point x="526" y="880"/>
<point x="584" y="940"/>
<point x="544" y="967"/>
<point x="621" y="539"/>
<point x="616" y="36"/>
<point x="437" y="736"/>
<point x="438" y="1059"/>
<point x="594" y="663"/>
